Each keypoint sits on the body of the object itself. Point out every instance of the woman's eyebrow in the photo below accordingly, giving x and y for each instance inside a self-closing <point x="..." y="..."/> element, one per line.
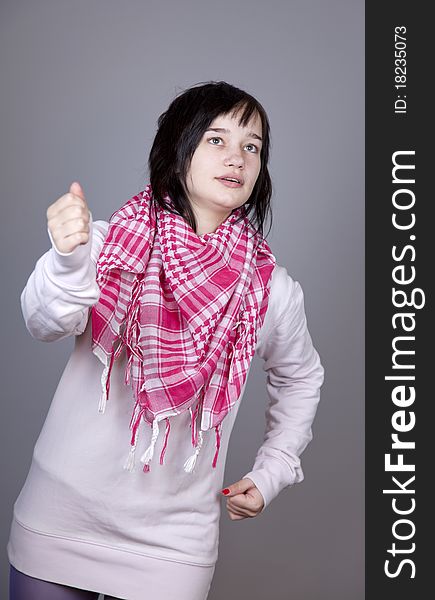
<point x="223" y="130"/>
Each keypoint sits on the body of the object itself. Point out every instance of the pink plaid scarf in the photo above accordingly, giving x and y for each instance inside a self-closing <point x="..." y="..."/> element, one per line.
<point x="186" y="309"/>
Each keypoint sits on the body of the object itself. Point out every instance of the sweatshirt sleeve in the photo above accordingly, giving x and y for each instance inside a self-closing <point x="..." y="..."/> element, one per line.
<point x="62" y="287"/>
<point x="294" y="378"/>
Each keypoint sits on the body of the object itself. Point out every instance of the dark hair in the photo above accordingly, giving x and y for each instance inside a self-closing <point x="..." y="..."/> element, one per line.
<point x="180" y="130"/>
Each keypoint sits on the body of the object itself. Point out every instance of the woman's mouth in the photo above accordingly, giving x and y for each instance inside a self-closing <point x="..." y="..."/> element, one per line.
<point x="230" y="182"/>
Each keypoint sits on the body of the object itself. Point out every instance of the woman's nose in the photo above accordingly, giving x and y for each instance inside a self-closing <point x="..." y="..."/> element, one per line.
<point x="234" y="159"/>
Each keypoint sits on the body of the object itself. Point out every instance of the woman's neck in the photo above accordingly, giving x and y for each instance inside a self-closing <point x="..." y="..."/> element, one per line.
<point x="207" y="221"/>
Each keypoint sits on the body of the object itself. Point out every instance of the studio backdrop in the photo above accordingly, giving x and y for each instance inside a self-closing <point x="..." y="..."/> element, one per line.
<point x="83" y="84"/>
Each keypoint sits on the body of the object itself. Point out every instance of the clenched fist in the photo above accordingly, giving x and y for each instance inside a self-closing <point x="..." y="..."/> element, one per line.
<point x="68" y="219"/>
<point x="244" y="499"/>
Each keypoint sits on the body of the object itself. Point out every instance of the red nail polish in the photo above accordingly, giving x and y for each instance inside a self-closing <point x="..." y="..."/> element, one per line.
<point x="225" y="491"/>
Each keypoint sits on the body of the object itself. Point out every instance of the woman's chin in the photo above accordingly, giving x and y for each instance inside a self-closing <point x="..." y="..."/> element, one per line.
<point x="229" y="202"/>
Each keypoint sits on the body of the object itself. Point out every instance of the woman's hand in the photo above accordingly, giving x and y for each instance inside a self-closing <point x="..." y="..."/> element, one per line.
<point x="68" y="219"/>
<point x="244" y="500"/>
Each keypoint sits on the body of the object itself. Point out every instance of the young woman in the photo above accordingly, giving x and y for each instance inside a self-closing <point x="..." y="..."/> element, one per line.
<point x="168" y="301"/>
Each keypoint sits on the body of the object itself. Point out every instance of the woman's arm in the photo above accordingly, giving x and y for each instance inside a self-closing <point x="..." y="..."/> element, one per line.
<point x="294" y="378"/>
<point x="56" y="299"/>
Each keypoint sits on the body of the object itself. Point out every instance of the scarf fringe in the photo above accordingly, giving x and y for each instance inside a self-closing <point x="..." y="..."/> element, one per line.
<point x="147" y="456"/>
<point x="196" y="434"/>
<point x="197" y="437"/>
<point x="105" y="384"/>
<point x="103" y="396"/>
<point x="218" y="444"/>
<point x="149" y="452"/>
<point x="241" y="347"/>
<point x="189" y="465"/>
<point x="193" y="425"/>
<point x="129" y="463"/>
<point x="134" y="426"/>
<point x="167" y="430"/>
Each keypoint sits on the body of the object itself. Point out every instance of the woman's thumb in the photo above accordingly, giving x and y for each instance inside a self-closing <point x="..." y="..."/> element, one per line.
<point x="239" y="487"/>
<point x="76" y="188"/>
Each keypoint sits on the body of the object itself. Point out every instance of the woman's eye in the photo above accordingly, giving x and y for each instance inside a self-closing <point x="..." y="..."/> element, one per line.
<point x="215" y="141"/>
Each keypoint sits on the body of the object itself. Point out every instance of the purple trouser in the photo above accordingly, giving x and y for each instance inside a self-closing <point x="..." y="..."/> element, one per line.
<point x="24" y="587"/>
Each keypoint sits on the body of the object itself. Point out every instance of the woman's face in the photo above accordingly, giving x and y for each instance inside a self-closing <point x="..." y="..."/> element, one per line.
<point x="226" y="150"/>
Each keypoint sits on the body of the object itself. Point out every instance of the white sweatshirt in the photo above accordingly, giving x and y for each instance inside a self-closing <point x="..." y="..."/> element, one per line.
<point x="79" y="506"/>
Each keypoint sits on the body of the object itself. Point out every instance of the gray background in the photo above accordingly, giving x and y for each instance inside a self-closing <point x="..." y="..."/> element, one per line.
<point x="83" y="83"/>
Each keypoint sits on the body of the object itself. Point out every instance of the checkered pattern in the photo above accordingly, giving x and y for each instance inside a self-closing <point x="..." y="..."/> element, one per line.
<point x="186" y="309"/>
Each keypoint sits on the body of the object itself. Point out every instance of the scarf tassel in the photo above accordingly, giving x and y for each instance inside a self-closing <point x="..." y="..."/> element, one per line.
<point x="197" y="435"/>
<point x="189" y="465"/>
<point x="127" y="369"/>
<point x="167" y="430"/>
<point x="146" y="458"/>
<point x="193" y="425"/>
<point x="105" y="384"/>
<point x="197" y="440"/>
<point x="218" y="444"/>
<point x="134" y="426"/>
<point x="130" y="337"/>
<point x="238" y="347"/>
<point x="194" y="416"/>
<point x="129" y="463"/>
<point x="149" y="452"/>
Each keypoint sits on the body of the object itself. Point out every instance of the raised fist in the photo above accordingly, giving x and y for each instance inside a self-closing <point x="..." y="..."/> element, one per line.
<point x="68" y="219"/>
